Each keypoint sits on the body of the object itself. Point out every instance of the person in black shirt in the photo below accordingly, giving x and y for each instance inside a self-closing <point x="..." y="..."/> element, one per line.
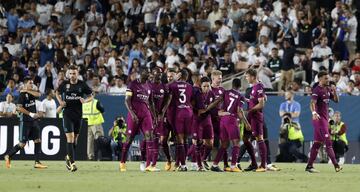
<point x="29" y="128"/>
<point x="288" y="66"/>
<point x="71" y="94"/>
<point x="226" y="66"/>
<point x="274" y="62"/>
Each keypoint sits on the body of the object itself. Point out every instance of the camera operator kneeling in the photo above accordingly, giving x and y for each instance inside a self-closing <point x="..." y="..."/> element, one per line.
<point x="291" y="139"/>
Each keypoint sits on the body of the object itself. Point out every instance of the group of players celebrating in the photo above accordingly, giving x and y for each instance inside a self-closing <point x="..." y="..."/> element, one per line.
<point x="201" y="111"/>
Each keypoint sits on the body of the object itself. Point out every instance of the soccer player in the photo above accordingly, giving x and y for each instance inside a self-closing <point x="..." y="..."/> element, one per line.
<point x="256" y="116"/>
<point x="229" y="113"/>
<point x="160" y="93"/>
<point x="181" y="95"/>
<point x="140" y="105"/>
<point x="248" y="138"/>
<point x="202" y="130"/>
<point x="319" y="107"/>
<point x="29" y="128"/>
<point x="216" y="79"/>
<point x="71" y="94"/>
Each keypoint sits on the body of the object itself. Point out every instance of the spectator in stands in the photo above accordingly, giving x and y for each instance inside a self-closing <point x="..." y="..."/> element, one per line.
<point x="291" y="107"/>
<point x="13" y="47"/>
<point x="48" y="77"/>
<point x="274" y="62"/>
<point x="119" y="87"/>
<point x="7" y="107"/>
<point x="248" y="28"/>
<point x="226" y="65"/>
<point x="288" y="67"/>
<point x="49" y="104"/>
<point x="11" y="89"/>
<point x="321" y="56"/>
<point x="97" y="86"/>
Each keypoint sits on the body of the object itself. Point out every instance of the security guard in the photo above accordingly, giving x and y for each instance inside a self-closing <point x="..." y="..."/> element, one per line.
<point x="92" y="111"/>
<point x="338" y="137"/>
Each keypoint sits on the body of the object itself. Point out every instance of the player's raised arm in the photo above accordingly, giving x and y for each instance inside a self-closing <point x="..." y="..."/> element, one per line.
<point x="32" y="92"/>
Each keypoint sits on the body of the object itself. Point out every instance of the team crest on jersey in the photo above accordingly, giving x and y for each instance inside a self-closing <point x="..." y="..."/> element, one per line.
<point x="161" y="90"/>
<point x="253" y="91"/>
<point x="149" y="91"/>
<point x="220" y="92"/>
<point x="67" y="86"/>
<point x="27" y="96"/>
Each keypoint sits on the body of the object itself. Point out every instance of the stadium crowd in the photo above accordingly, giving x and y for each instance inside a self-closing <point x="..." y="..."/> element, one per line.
<point x="287" y="41"/>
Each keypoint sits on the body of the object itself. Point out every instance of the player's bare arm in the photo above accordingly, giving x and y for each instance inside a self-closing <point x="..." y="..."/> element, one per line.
<point x="87" y="99"/>
<point x="164" y="108"/>
<point x="212" y="105"/>
<point x="258" y="106"/>
<point x="129" y="106"/>
<point x="58" y="97"/>
<point x="167" y="103"/>
<point x="242" y="117"/>
<point x="315" y="115"/>
<point x="152" y="109"/>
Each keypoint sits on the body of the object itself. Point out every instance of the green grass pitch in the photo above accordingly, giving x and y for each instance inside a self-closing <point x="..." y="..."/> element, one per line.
<point x="105" y="177"/>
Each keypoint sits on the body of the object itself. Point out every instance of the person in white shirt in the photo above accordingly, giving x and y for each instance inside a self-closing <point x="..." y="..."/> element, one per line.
<point x="119" y="87"/>
<point x="97" y="86"/>
<point x="44" y="10"/>
<point x="321" y="55"/>
<point x="49" y="104"/>
<point x="8" y="108"/>
<point x="13" y="47"/>
<point x="223" y="33"/>
<point x="171" y="59"/>
<point x="335" y="12"/>
<point x="214" y="15"/>
<point x="149" y="10"/>
<point x="40" y="108"/>
<point x="226" y="19"/>
<point x="94" y="19"/>
<point x="266" y="45"/>
<point x="352" y="25"/>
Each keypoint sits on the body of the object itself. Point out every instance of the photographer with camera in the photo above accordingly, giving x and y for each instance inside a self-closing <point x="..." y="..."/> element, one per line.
<point x="118" y="136"/>
<point x="291" y="138"/>
<point x="338" y="136"/>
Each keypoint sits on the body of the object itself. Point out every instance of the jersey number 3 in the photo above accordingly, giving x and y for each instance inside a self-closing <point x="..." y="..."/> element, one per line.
<point x="182" y="97"/>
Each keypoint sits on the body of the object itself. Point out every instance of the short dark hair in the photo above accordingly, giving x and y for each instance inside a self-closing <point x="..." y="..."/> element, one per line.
<point x="48" y="91"/>
<point x="26" y="79"/>
<point x="73" y="67"/>
<point x="322" y="73"/>
<point x="184" y="74"/>
<point x="205" y="79"/>
<point x="251" y="72"/>
<point x="236" y="83"/>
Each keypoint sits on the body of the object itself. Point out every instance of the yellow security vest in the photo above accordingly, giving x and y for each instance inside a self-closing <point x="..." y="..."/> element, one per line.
<point x="295" y="134"/>
<point x="337" y="128"/>
<point x="91" y="113"/>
